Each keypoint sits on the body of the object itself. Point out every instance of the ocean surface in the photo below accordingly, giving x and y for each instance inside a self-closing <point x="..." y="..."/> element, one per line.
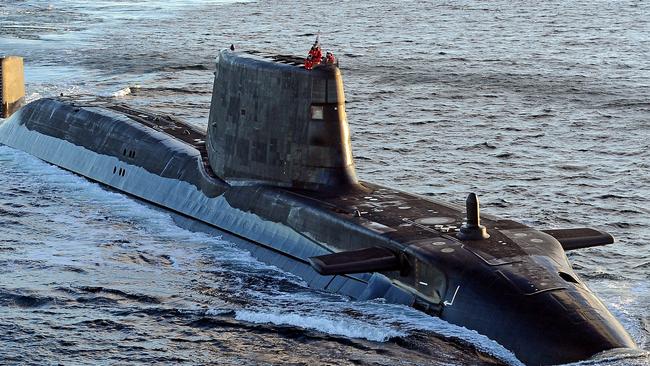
<point x="542" y="108"/>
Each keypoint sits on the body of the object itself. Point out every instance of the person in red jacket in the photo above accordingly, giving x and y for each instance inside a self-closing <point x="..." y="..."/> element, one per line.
<point x="329" y="58"/>
<point x="315" y="56"/>
<point x="309" y="62"/>
<point x="316" y="53"/>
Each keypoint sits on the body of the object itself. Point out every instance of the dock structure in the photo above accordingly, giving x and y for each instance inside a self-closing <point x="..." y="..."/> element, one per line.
<point x="12" y="85"/>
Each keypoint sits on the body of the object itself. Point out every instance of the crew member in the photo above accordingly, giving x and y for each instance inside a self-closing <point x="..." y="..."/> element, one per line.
<point x="329" y="58"/>
<point x="316" y="53"/>
<point x="309" y="62"/>
<point x="315" y="56"/>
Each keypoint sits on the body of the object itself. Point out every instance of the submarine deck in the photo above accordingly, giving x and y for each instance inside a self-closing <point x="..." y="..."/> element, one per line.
<point x="397" y="215"/>
<point x="283" y="59"/>
<point x="191" y="135"/>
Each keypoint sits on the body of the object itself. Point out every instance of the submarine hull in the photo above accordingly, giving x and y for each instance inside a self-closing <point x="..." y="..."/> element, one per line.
<point x="520" y="302"/>
<point x="110" y="148"/>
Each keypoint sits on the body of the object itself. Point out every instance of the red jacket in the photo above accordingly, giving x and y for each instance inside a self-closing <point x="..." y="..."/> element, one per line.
<point x="316" y="54"/>
<point x="309" y="63"/>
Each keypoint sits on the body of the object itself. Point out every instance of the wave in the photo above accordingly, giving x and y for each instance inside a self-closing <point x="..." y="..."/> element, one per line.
<point x="340" y="326"/>
<point x="24" y="300"/>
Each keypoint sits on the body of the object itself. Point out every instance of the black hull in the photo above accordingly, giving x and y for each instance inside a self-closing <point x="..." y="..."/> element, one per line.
<point x="170" y="173"/>
<point x="500" y="291"/>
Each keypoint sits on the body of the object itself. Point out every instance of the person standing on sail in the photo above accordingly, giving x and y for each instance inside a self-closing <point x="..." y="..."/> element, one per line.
<point x="316" y="53"/>
<point x="315" y="56"/>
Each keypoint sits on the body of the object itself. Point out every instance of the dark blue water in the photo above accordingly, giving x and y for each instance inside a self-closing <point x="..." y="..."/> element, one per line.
<point x="541" y="108"/>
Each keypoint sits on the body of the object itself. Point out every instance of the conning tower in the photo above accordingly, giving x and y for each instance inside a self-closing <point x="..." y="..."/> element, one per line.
<point x="278" y="124"/>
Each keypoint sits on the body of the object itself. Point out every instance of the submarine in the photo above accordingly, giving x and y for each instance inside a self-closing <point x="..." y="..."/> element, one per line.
<point x="275" y="167"/>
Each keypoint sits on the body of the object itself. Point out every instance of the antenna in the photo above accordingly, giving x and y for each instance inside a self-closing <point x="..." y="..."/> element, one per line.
<point x="473" y="230"/>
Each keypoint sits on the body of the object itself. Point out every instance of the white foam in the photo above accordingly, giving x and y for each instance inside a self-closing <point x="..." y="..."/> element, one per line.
<point x="342" y="326"/>
<point x="122" y="92"/>
<point x="374" y="320"/>
<point x="216" y="312"/>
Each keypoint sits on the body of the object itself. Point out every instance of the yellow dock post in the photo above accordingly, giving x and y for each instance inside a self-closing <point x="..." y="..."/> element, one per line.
<point x="12" y="85"/>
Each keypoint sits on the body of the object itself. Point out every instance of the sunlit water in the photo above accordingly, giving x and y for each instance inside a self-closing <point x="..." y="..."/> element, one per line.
<point x="541" y="108"/>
